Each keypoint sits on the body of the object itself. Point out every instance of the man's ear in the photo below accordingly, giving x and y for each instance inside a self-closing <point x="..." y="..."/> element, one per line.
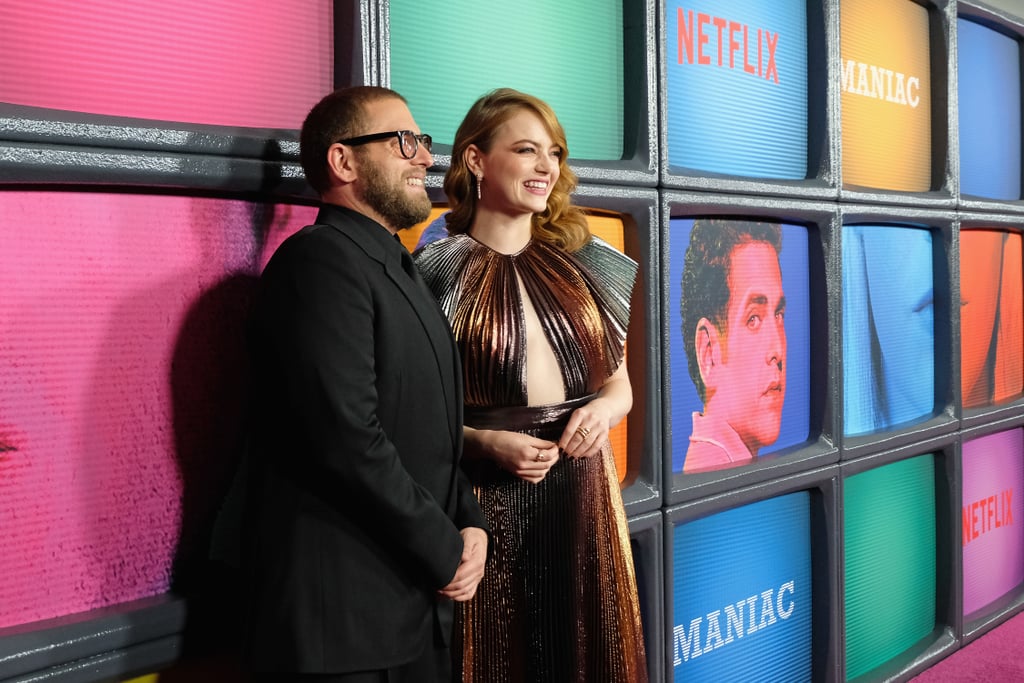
<point x="709" y="352"/>
<point x="340" y="163"/>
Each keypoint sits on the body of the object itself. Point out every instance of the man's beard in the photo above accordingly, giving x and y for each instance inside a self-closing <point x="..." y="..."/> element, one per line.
<point x="398" y="209"/>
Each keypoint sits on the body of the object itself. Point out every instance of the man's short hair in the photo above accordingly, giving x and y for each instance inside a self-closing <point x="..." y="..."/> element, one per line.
<point x="706" y="268"/>
<point x="339" y="115"/>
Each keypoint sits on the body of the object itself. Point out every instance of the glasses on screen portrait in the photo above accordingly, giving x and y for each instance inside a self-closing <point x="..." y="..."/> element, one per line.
<point x="409" y="142"/>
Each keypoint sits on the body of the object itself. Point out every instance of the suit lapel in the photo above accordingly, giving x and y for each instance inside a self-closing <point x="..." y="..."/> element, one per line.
<point x="380" y="245"/>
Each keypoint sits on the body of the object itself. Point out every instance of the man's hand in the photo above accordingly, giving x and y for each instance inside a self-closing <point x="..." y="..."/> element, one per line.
<point x="471" y="566"/>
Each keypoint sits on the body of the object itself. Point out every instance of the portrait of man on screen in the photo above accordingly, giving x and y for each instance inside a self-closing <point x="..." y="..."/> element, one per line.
<point x="733" y="325"/>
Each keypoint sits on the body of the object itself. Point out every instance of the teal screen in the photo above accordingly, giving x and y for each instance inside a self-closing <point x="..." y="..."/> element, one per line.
<point x="569" y="53"/>
<point x="889" y="527"/>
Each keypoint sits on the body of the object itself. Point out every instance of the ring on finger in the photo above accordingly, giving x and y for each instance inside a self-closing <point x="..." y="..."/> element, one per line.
<point x="540" y="457"/>
<point x="583" y="431"/>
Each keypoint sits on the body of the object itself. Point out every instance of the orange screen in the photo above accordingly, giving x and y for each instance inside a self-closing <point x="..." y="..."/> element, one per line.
<point x="991" y="316"/>
<point x="886" y="95"/>
<point x="610" y="229"/>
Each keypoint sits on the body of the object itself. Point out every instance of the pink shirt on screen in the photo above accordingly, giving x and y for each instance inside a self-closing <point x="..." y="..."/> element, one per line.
<point x="714" y="445"/>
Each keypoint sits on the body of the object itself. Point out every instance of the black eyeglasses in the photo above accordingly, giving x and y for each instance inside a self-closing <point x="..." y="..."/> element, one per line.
<point x="409" y="142"/>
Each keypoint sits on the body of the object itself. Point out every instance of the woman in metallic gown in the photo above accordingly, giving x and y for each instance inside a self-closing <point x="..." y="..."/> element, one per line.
<point x="539" y="309"/>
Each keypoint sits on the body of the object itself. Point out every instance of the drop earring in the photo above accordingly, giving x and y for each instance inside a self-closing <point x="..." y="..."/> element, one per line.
<point x="479" y="179"/>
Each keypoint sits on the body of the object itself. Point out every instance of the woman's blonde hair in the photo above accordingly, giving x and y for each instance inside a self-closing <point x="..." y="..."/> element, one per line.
<point x="561" y="224"/>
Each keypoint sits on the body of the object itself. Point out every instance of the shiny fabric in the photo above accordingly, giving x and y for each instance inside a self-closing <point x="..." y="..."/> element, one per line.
<point x="582" y="300"/>
<point x="558" y="602"/>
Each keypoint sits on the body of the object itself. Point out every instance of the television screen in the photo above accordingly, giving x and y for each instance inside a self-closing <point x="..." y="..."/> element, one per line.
<point x="991" y="316"/>
<point x="888" y="327"/>
<point x="606" y="226"/>
<point x="195" y="61"/>
<point x="513" y="44"/>
<point x="121" y="372"/>
<point x="741" y="593"/>
<point x="736" y="87"/>
<point x="739" y="340"/>
<point x="886" y="95"/>
<point x="992" y="526"/>
<point x="889" y="531"/>
<point x="988" y="101"/>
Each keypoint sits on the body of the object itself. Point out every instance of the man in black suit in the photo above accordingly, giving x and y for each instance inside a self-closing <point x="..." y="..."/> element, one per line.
<point x="361" y="529"/>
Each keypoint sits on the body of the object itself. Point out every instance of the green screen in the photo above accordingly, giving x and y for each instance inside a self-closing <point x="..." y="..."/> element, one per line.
<point x="889" y="525"/>
<point x="445" y="55"/>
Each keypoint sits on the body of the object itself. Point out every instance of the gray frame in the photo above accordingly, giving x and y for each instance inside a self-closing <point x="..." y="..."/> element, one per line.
<point x="823" y="483"/>
<point x="945" y="636"/>
<point x="945" y="241"/>
<point x="1002" y="21"/>
<point x="639" y="164"/>
<point x="822" y="120"/>
<point x="821" y="448"/>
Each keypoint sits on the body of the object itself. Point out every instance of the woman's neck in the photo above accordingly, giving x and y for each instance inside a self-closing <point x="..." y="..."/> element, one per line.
<point x="503" y="234"/>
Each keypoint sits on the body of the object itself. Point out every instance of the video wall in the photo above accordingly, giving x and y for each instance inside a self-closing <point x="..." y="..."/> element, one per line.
<point x="823" y="467"/>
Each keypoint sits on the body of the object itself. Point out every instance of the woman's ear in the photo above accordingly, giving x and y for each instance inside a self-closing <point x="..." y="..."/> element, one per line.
<point x="474" y="159"/>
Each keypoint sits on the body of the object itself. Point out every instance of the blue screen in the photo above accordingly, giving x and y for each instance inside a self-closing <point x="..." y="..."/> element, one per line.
<point x="741" y="594"/>
<point x="989" y="103"/>
<point x="685" y="400"/>
<point x="736" y="76"/>
<point x="888" y="327"/>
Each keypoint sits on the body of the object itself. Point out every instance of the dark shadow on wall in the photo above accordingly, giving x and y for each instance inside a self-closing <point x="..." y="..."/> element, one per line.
<point x="209" y="378"/>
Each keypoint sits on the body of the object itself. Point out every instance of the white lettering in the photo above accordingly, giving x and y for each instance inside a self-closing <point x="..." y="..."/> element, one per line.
<point x="880" y="83"/>
<point x="683" y="640"/>
<point x="764" y="610"/>
<point x="714" y="632"/>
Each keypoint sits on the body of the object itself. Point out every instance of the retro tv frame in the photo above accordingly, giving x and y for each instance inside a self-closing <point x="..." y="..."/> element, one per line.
<point x="941" y="639"/>
<point x="638" y="163"/>
<point x="820" y="446"/>
<point x="987" y="412"/>
<point x="820" y="486"/>
<point x="1011" y="27"/>
<point x="647" y="542"/>
<point x="999" y="609"/>
<point x="943" y="418"/>
<point x="818" y="179"/>
<point x="942" y="61"/>
<point x="41" y="146"/>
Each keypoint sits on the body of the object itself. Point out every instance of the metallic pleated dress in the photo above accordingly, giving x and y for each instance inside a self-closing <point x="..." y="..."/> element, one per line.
<point x="558" y="602"/>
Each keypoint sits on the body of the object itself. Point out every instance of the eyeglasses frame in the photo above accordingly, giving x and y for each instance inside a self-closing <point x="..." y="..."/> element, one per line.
<point x="418" y="138"/>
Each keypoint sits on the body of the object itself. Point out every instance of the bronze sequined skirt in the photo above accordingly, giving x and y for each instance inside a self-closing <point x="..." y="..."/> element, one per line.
<point x="558" y="601"/>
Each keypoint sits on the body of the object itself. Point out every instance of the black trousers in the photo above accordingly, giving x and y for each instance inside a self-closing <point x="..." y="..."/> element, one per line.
<point x="433" y="666"/>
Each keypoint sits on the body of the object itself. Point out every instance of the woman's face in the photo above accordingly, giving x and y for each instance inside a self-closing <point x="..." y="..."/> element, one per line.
<point x="521" y="167"/>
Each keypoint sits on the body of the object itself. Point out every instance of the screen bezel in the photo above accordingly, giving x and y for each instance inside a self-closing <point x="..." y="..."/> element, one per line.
<point x="1011" y="27"/>
<point x="947" y="325"/>
<point x="823" y="485"/>
<point x="822" y="129"/>
<point x="942" y="640"/>
<point x="820" y="449"/>
<point x="942" y="186"/>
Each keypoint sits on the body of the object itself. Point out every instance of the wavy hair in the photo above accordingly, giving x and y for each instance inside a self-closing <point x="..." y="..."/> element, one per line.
<point x="561" y="224"/>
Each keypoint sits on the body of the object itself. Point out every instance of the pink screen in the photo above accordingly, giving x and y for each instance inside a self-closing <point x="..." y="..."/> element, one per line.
<point x="993" y="527"/>
<point x="121" y="366"/>
<point x="217" y="62"/>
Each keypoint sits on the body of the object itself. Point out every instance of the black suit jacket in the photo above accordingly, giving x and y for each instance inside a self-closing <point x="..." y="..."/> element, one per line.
<point x="355" y="496"/>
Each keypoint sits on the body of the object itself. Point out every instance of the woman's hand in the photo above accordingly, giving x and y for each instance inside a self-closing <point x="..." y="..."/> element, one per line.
<point x="587" y="430"/>
<point x="523" y="455"/>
